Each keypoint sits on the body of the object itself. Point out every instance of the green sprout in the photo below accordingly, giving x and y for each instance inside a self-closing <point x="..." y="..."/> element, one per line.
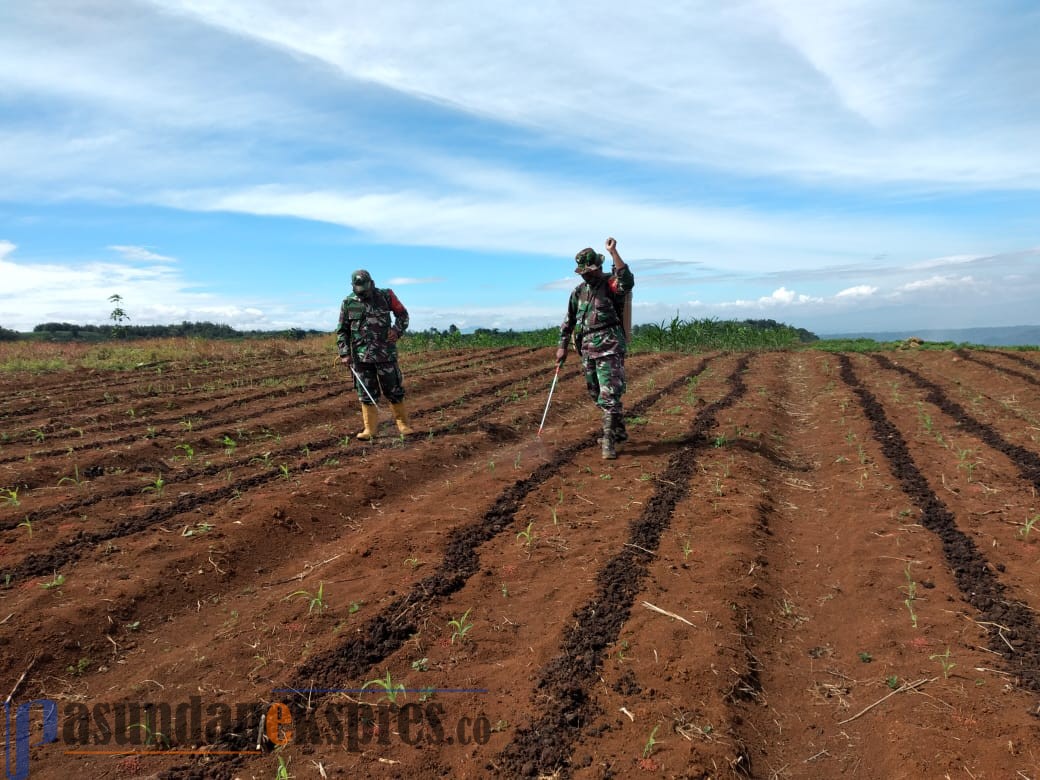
<point x="525" y="536"/>
<point x="391" y="689"/>
<point x="156" y="487"/>
<point x="1026" y="529"/>
<point x="648" y="748"/>
<point x="75" y="479"/>
<point x="315" y="601"/>
<point x="911" y="596"/>
<point x="944" y="661"/>
<point x="460" y="627"/>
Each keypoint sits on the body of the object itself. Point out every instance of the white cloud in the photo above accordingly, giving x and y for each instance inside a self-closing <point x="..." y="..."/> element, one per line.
<point x="780" y="298"/>
<point x="859" y="291"/>
<point x="938" y="283"/>
<point x="141" y="253"/>
<point x="401" y="281"/>
<point x="34" y="293"/>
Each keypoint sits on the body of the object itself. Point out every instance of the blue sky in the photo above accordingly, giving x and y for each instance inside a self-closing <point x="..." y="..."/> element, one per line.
<point x="839" y="166"/>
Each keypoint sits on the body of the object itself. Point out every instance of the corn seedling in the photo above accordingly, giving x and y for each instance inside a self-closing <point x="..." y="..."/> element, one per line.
<point x="1026" y="529"/>
<point x="187" y="424"/>
<point x="524" y="537"/>
<point x="720" y="441"/>
<point x="229" y="445"/>
<point x="56" y="582"/>
<point x="414" y="562"/>
<point x="283" y="470"/>
<point x="391" y="689"/>
<point x="282" y="772"/>
<point x="75" y="479"/>
<point x="964" y="463"/>
<point x="197" y="530"/>
<point x="156" y="487"/>
<point x="354" y="607"/>
<point x="911" y="595"/>
<point x="189" y="451"/>
<point x="892" y="682"/>
<point x="38" y="435"/>
<point x="151" y="737"/>
<point x="460" y="626"/>
<point x="27" y="525"/>
<point x="687" y="548"/>
<point x="944" y="662"/>
<point x="263" y="460"/>
<point x="315" y="601"/>
<point x="651" y="742"/>
<point x="925" y="418"/>
<point x="505" y="590"/>
<point x="10" y="496"/>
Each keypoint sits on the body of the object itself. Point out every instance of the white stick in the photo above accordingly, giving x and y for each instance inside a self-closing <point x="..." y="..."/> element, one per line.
<point x="361" y="382"/>
<point x="556" y="376"/>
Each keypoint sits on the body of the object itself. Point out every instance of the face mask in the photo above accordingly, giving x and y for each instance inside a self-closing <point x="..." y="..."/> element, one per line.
<point x="591" y="274"/>
<point x="361" y="281"/>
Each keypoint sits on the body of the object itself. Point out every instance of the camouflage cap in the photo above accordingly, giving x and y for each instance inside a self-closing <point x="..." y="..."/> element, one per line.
<point x="587" y="259"/>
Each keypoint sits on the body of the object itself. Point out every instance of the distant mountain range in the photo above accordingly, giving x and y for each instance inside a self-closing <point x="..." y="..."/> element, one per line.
<point x="1018" y="335"/>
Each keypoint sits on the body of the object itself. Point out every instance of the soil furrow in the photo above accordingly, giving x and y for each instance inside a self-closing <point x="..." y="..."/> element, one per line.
<point x="1017" y="638"/>
<point x="545" y="746"/>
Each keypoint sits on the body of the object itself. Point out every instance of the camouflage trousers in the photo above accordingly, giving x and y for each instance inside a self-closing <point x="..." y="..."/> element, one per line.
<point x="605" y="380"/>
<point x="380" y="377"/>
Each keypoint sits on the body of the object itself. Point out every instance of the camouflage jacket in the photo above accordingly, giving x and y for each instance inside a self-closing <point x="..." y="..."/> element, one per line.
<point x="594" y="315"/>
<point x="364" y="326"/>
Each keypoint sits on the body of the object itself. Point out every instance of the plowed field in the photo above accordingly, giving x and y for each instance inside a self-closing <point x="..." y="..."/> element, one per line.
<point x="801" y="565"/>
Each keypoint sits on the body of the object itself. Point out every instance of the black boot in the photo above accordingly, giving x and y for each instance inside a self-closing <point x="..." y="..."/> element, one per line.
<point x="620" y="434"/>
<point x="608" y="437"/>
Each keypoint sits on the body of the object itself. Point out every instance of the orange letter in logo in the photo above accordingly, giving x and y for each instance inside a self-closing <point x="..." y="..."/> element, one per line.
<point x="277" y="724"/>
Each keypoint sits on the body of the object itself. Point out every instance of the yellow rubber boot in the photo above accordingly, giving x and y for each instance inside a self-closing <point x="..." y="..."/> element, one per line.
<point x="370" y="414"/>
<point x="401" y="418"/>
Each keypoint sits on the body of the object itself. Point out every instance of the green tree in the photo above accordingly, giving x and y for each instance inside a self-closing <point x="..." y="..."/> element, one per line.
<point x="118" y="314"/>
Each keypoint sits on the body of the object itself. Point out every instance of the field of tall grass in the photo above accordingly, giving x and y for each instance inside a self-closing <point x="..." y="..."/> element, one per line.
<point x="674" y="336"/>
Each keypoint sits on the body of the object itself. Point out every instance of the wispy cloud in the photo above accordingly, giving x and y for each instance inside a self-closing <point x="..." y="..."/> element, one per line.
<point x="400" y="281"/>
<point x="141" y="253"/>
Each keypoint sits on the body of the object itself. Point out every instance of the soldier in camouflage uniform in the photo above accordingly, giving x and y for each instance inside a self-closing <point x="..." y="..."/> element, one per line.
<point x="367" y="343"/>
<point x="595" y="322"/>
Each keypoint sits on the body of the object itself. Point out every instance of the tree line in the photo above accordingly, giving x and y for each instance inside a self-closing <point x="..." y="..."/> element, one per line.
<point x="68" y="331"/>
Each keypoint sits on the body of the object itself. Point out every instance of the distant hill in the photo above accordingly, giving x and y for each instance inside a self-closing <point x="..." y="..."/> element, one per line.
<point x="1015" y="336"/>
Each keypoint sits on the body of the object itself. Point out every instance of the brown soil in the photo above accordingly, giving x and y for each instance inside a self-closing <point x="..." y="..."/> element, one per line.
<point x="802" y="565"/>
